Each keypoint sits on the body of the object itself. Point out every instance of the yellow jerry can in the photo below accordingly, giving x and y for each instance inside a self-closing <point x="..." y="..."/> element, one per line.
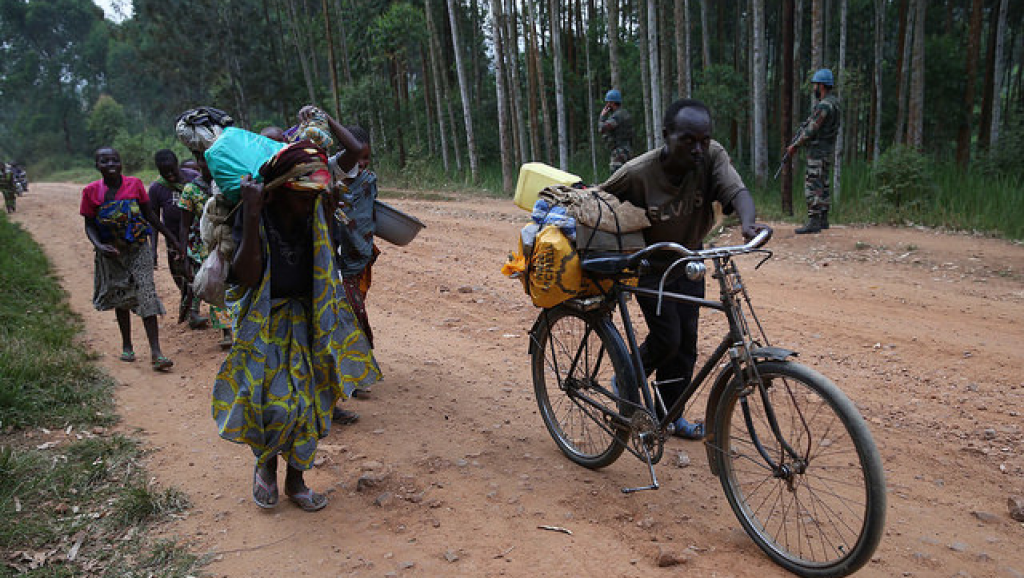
<point x="533" y="177"/>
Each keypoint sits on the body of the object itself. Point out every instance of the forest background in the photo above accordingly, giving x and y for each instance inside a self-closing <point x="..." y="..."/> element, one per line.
<point x="457" y="94"/>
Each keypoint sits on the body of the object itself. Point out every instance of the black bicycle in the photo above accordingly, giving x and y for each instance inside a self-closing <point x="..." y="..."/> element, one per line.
<point x="794" y="456"/>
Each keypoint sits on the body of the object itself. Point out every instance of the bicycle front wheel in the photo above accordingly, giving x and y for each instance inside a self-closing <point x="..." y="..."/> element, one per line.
<point x="817" y="508"/>
<point x="574" y="357"/>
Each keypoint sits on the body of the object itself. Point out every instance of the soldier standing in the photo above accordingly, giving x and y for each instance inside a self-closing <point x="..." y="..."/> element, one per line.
<point x="616" y="128"/>
<point x="818" y="133"/>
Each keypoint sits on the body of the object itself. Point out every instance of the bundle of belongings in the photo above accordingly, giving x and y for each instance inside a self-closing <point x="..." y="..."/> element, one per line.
<point x="565" y="222"/>
<point x="198" y="128"/>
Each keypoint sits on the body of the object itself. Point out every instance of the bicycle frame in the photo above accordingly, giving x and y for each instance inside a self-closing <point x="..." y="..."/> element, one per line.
<point x="738" y="344"/>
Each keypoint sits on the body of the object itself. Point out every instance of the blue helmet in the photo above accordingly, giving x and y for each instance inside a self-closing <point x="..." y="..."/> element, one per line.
<point x="824" y="76"/>
<point x="613" y="96"/>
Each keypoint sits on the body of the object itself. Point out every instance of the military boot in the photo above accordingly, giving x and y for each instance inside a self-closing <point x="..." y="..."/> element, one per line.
<point x="824" y="219"/>
<point x="813" y="225"/>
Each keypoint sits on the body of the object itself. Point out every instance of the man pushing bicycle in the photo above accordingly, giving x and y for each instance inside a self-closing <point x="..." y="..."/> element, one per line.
<point x="676" y="184"/>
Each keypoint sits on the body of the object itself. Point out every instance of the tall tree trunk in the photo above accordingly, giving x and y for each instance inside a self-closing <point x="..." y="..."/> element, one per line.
<point x="299" y="52"/>
<point x="542" y="88"/>
<point x="997" y="76"/>
<point x="786" y="104"/>
<point x="839" y="85"/>
<point x="906" y="42"/>
<point x="645" y="73"/>
<point x="590" y="100"/>
<point x="505" y="147"/>
<point x="876" y="114"/>
<point x="682" y="38"/>
<point x="963" y="138"/>
<point x="759" y="79"/>
<point x="988" y="92"/>
<point x="435" y="70"/>
<point x="556" y="54"/>
<point x="464" y="91"/>
<point x="799" y="74"/>
<point x="515" y="85"/>
<point x="817" y="34"/>
<point x="613" y="42"/>
<point x="705" y="34"/>
<point x="532" y="84"/>
<point x="346" y="69"/>
<point x="915" y="115"/>
<point x="330" y="58"/>
<point x="655" y="73"/>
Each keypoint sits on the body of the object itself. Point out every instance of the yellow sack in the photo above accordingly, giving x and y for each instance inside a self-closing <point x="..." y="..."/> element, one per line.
<point x="554" y="268"/>
<point x="552" y="272"/>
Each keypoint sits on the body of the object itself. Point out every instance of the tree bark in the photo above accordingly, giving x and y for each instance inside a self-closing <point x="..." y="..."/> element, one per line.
<point x="988" y="92"/>
<point x="645" y="74"/>
<point x="613" y="42"/>
<point x="705" y="36"/>
<point x="299" y="52"/>
<point x="798" y="70"/>
<point x="906" y="37"/>
<point x="505" y="148"/>
<point x="655" y="73"/>
<point x="532" y="84"/>
<point x="435" y="70"/>
<point x="786" y="104"/>
<point x="915" y="115"/>
<point x="682" y="38"/>
<point x="997" y="77"/>
<point x="590" y="101"/>
<point x="464" y="91"/>
<point x="556" y="50"/>
<point x="817" y="34"/>
<point x="330" y="58"/>
<point x="841" y="73"/>
<point x="963" y="139"/>
<point x="876" y="144"/>
<point x="542" y="88"/>
<point x="759" y="79"/>
<point x="346" y="69"/>
<point x="515" y="85"/>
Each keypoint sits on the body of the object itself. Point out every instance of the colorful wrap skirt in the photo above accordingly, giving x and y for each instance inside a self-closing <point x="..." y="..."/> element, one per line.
<point x="292" y="360"/>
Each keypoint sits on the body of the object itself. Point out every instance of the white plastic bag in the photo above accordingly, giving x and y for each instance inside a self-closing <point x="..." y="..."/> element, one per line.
<point x="210" y="281"/>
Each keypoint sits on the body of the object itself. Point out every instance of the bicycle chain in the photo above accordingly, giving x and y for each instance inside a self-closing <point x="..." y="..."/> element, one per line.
<point x="643" y="430"/>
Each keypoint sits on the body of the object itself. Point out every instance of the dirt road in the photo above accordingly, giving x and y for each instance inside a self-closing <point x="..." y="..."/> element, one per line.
<point x="923" y="330"/>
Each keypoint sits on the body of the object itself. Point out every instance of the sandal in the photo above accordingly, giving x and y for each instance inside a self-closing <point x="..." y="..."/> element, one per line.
<point x="689" y="431"/>
<point x="162" y="363"/>
<point x="309" y="500"/>
<point x="261" y="489"/>
<point x="127" y="355"/>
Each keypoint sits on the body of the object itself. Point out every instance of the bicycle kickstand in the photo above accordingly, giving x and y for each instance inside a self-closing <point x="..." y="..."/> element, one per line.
<point x="650" y="468"/>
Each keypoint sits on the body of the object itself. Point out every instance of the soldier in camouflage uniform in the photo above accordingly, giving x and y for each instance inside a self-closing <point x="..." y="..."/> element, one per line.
<point x="616" y="128"/>
<point x="818" y="133"/>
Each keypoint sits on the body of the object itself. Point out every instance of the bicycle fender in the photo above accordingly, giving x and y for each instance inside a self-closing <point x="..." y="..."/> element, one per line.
<point x="722" y="381"/>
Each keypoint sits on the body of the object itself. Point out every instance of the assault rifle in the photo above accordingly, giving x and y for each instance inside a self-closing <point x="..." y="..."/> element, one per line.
<point x="785" y="157"/>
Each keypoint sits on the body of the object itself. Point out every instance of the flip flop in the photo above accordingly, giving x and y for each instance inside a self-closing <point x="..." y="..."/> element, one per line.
<point x="343" y="416"/>
<point x="162" y="363"/>
<point x="309" y="500"/>
<point x="269" y="490"/>
<point x="689" y="431"/>
<point x="128" y="355"/>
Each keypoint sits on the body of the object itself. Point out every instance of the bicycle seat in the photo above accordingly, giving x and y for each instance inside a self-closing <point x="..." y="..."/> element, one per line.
<point x="608" y="264"/>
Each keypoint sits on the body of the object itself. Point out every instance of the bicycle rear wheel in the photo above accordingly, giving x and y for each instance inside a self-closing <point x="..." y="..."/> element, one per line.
<point x="574" y="357"/>
<point x="822" y="512"/>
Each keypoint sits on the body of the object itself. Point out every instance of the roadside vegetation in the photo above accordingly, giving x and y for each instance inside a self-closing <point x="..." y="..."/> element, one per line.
<point x="74" y="497"/>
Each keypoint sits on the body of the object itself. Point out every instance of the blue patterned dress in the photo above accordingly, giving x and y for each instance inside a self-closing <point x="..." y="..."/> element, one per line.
<point x="293" y="358"/>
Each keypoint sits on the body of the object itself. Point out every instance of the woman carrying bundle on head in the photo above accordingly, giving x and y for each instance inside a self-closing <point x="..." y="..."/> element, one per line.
<point x="298" y="348"/>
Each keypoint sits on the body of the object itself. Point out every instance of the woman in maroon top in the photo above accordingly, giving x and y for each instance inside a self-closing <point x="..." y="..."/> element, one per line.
<point x="117" y="222"/>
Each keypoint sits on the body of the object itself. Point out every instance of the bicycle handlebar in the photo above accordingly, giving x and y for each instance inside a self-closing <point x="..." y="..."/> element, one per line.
<point x="756" y="243"/>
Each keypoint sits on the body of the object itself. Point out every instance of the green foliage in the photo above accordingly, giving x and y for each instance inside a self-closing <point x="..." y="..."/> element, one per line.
<point x="106" y="121"/>
<point x="1006" y="158"/>
<point x="45" y="376"/>
<point x="725" y="92"/>
<point x="902" y="179"/>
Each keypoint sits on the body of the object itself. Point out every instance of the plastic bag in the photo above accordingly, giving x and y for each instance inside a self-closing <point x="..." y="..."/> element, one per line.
<point x="210" y="281"/>
<point x="215" y="224"/>
<point x="238" y="153"/>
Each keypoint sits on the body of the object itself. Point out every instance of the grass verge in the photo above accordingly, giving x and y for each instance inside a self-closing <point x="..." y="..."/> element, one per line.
<point x="74" y="499"/>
